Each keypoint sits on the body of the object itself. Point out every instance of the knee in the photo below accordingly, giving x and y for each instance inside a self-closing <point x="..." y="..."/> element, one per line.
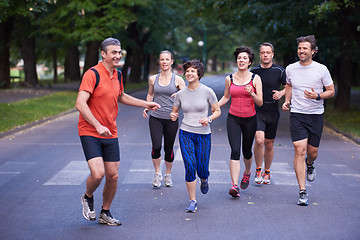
<point x="112" y="177"/>
<point x="190" y="176"/>
<point x="235" y="155"/>
<point x="248" y="156"/>
<point x="312" y="155"/>
<point x="300" y="151"/>
<point x="169" y="155"/>
<point x="269" y="145"/>
<point x="259" y="141"/>
<point x="155" y="153"/>
<point x="97" y="175"/>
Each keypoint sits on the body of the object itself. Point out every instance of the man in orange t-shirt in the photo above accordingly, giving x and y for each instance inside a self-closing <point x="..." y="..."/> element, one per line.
<point x="98" y="109"/>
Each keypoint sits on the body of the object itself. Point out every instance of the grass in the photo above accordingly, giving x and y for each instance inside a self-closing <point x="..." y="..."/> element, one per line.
<point x="347" y="122"/>
<point x="26" y="111"/>
<point x="30" y="110"/>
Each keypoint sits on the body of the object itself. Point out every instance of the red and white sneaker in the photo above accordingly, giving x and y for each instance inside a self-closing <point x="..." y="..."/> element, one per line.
<point x="266" y="177"/>
<point x="258" y="176"/>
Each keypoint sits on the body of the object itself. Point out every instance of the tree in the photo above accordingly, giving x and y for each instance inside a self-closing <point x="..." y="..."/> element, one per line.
<point x="346" y="13"/>
<point x="10" y="12"/>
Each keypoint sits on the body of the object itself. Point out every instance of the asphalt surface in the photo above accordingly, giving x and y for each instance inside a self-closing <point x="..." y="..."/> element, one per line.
<point x="43" y="174"/>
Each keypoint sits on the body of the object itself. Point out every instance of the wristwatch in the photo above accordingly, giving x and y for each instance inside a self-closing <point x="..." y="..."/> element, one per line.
<point x="318" y="97"/>
<point x="210" y="120"/>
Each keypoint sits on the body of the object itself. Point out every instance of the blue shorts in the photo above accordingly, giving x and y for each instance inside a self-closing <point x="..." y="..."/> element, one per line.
<point x="195" y="151"/>
<point x="308" y="126"/>
<point x="94" y="147"/>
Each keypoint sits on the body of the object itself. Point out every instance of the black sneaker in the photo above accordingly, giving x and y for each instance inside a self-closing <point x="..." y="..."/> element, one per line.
<point x="245" y="181"/>
<point x="204" y="186"/>
<point x="310" y="172"/>
<point x="303" y="198"/>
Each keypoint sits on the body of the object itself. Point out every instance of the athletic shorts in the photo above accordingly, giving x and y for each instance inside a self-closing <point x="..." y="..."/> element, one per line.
<point x="108" y="149"/>
<point x="308" y="126"/>
<point x="268" y="123"/>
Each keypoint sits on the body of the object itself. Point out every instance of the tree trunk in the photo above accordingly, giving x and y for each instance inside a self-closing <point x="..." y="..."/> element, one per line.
<point x="92" y="54"/>
<point x="54" y="61"/>
<point x="342" y="100"/>
<point x="136" y="66"/>
<point x="346" y="73"/>
<point x="5" y="39"/>
<point x="29" y="57"/>
<point x="127" y="64"/>
<point x="146" y="67"/>
<point x="214" y="63"/>
<point x="72" y="68"/>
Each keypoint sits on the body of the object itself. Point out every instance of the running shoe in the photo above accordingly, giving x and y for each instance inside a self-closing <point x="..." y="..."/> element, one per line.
<point x="167" y="181"/>
<point x="266" y="177"/>
<point x="303" y="198"/>
<point x="258" y="176"/>
<point x="204" y="186"/>
<point x="234" y="191"/>
<point x="192" y="207"/>
<point x="310" y="172"/>
<point x="107" y="218"/>
<point x="88" y="208"/>
<point x="157" y="180"/>
<point x="245" y="181"/>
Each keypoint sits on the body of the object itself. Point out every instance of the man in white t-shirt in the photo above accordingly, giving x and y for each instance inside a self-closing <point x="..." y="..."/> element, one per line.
<point x="305" y="81"/>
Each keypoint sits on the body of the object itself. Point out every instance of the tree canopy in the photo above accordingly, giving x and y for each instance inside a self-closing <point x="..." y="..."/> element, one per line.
<point x="61" y="33"/>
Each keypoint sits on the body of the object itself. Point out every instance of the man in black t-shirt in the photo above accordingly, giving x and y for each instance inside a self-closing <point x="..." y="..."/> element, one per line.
<point x="272" y="76"/>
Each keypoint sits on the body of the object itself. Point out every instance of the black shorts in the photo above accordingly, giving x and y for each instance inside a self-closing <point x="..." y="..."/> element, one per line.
<point x="108" y="149"/>
<point x="267" y="122"/>
<point x="308" y="126"/>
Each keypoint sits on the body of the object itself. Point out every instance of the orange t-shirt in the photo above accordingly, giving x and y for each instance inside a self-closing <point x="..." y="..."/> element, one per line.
<point x="103" y="102"/>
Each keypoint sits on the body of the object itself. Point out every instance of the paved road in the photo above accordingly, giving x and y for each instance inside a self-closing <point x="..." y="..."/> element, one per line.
<point x="43" y="172"/>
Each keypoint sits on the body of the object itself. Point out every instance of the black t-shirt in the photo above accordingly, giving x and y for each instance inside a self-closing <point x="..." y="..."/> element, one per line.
<point x="271" y="79"/>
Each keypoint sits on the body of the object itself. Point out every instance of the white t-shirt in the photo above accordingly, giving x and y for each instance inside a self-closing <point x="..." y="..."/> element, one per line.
<point x="303" y="78"/>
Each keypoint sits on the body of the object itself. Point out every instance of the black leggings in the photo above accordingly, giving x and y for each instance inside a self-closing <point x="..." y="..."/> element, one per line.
<point x="158" y="128"/>
<point x="237" y="126"/>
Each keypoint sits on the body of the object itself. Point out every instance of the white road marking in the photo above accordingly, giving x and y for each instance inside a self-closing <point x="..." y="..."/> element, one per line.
<point x="11" y="169"/>
<point x="343" y="173"/>
<point x="74" y="173"/>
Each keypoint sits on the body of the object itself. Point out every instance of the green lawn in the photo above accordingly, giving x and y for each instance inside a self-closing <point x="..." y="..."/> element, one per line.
<point x="348" y="122"/>
<point x="27" y="111"/>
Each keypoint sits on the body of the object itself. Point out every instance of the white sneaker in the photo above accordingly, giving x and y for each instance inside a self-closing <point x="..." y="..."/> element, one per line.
<point x="157" y="180"/>
<point x="258" y="176"/>
<point x="167" y="180"/>
<point x="88" y="208"/>
<point x="108" y="219"/>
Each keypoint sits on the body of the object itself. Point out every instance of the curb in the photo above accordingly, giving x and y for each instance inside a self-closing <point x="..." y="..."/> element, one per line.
<point x="36" y="123"/>
<point x="342" y="133"/>
<point x="41" y="121"/>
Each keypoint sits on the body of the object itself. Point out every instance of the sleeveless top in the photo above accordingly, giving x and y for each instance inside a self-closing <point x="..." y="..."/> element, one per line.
<point x="162" y="96"/>
<point x="242" y="104"/>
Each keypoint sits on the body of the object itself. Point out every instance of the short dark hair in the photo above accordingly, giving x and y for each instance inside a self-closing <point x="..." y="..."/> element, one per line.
<point x="108" y="42"/>
<point x="311" y="39"/>
<point x="248" y="50"/>
<point x="197" y="64"/>
<point x="267" y="44"/>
